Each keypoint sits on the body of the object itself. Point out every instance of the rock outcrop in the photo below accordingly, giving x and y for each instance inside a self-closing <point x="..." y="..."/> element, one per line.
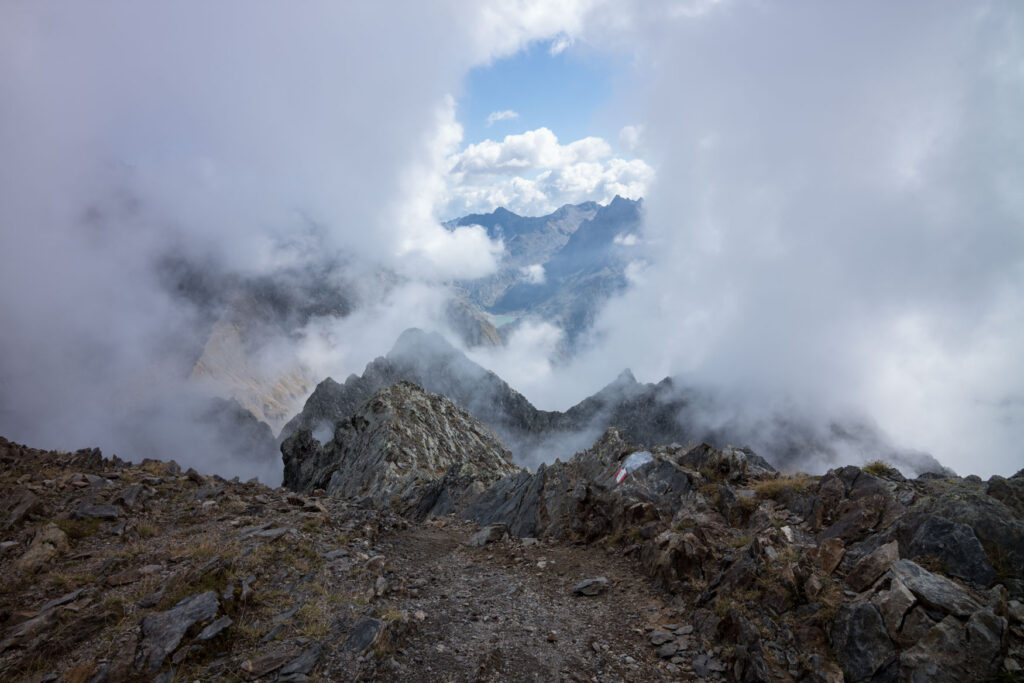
<point x="404" y="446"/>
<point x="816" y="560"/>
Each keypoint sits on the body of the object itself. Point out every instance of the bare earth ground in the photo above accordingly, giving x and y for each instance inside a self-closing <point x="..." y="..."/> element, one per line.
<point x="507" y="612"/>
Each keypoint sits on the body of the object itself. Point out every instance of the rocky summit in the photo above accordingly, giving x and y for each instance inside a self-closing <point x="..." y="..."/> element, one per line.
<point x="405" y="447"/>
<point x="406" y="545"/>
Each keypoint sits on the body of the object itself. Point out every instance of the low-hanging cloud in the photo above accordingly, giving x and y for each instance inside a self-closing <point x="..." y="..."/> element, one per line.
<point x="837" y="217"/>
<point x="140" y="136"/>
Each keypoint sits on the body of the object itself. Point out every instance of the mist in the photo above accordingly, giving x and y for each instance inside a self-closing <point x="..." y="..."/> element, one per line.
<point x="834" y="222"/>
<point x="836" y="227"/>
<point x="160" y="162"/>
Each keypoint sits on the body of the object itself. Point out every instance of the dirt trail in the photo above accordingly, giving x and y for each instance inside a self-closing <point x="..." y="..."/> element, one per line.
<point x="506" y="611"/>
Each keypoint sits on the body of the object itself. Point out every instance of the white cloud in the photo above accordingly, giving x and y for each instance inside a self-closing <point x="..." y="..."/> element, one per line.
<point x="525" y="356"/>
<point x="525" y="152"/>
<point x="631" y="139"/>
<point x="534" y="273"/>
<point x="560" y="45"/>
<point x="504" y="115"/>
<point x="532" y="173"/>
<point x="423" y="247"/>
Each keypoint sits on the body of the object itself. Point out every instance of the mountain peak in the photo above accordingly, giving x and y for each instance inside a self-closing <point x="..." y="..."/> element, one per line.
<point x="625" y="377"/>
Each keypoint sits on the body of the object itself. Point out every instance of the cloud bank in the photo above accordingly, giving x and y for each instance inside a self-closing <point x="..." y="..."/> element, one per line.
<point x="532" y="173"/>
<point x="837" y="221"/>
<point x="140" y="136"/>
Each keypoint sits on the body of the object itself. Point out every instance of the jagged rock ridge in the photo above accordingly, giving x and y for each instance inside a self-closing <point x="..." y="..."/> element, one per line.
<point x="401" y="440"/>
<point x="651" y="414"/>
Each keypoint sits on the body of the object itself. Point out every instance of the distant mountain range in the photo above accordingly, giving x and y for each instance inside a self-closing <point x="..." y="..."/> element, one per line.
<point x="559" y="268"/>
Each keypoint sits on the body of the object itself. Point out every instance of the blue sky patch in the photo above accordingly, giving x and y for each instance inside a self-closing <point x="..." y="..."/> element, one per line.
<point x="562" y="92"/>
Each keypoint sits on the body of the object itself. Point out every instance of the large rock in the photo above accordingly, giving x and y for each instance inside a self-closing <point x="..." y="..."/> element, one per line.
<point x="580" y="498"/>
<point x="870" y="567"/>
<point x="996" y="527"/>
<point x="860" y="641"/>
<point x="952" y="652"/>
<point x="956" y="547"/>
<point x="1010" y="492"/>
<point x="48" y="543"/>
<point x="162" y="632"/>
<point x="393" y="447"/>
<point x="933" y="590"/>
<point x="732" y="464"/>
<point x="854" y="503"/>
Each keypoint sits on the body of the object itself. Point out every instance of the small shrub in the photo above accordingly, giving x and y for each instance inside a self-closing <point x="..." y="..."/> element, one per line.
<point x="391" y="614"/>
<point x="748" y="505"/>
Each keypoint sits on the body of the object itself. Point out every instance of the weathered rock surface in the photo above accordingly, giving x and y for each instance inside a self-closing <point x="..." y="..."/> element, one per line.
<point x="163" y="632"/>
<point x="870" y="567"/>
<point x="860" y="641"/>
<point x="591" y="587"/>
<point x="933" y="590"/>
<point x="580" y="498"/>
<point x="47" y="544"/>
<point x="395" y="448"/>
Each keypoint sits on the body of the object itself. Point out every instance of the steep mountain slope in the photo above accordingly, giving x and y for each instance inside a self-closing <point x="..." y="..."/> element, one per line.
<point x="665" y="412"/>
<point x="528" y="241"/>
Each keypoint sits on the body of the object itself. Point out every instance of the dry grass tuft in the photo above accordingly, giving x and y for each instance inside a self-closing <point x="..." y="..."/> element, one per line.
<point x="879" y="468"/>
<point x="774" y="488"/>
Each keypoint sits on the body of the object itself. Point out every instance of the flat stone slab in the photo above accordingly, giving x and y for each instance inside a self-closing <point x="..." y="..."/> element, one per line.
<point x="591" y="587"/>
<point x="934" y="590"/>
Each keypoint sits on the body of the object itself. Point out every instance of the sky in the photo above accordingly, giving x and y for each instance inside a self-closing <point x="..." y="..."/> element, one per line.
<point x="546" y="84"/>
<point x="834" y="196"/>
